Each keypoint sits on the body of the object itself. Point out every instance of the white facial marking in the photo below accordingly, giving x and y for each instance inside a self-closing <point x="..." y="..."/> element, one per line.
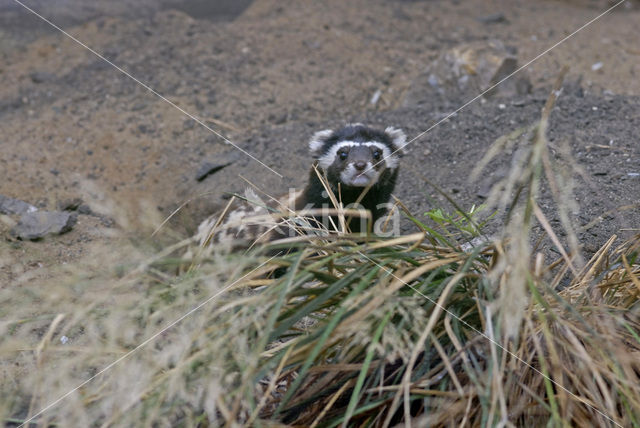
<point x="317" y="142"/>
<point x="398" y="138"/>
<point x="326" y="160"/>
<point x="352" y="177"/>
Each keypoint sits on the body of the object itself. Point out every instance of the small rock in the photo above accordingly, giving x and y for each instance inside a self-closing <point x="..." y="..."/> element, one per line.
<point x="277" y="119"/>
<point x="212" y="97"/>
<point x="484" y="191"/>
<point x="375" y="97"/>
<point x="107" y="221"/>
<point x="15" y="206"/>
<point x="36" y="225"/>
<point x="207" y="168"/>
<point x="494" y="18"/>
<point x="41" y="77"/>
<point x="188" y="124"/>
<point x="433" y="81"/>
<point x="70" y="204"/>
<point x="85" y="209"/>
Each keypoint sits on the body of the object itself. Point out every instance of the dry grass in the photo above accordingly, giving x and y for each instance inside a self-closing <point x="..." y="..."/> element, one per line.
<point x="357" y="332"/>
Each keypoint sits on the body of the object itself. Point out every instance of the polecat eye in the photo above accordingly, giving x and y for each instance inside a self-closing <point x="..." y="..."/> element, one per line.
<point x="343" y="155"/>
<point x="377" y="154"/>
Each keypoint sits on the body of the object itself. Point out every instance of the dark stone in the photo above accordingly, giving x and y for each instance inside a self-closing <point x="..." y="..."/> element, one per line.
<point x="70" y="204"/>
<point x="14" y="206"/>
<point x="279" y="119"/>
<point x="107" y="221"/>
<point x="212" y="97"/>
<point x="494" y="18"/>
<point x="85" y="209"/>
<point x="485" y="190"/>
<point x="207" y="168"/>
<point x="36" y="225"/>
<point x="41" y="77"/>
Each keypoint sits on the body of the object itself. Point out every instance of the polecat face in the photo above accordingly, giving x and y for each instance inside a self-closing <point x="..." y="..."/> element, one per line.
<point x="357" y="155"/>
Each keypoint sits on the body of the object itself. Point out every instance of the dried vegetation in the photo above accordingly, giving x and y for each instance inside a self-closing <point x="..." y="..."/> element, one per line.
<point x="416" y="330"/>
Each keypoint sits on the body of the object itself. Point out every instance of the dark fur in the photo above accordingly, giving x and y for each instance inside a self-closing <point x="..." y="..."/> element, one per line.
<point x="379" y="193"/>
<point x="315" y="195"/>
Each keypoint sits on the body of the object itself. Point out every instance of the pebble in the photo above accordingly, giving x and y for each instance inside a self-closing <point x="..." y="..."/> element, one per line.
<point x="188" y="124"/>
<point x="144" y="129"/>
<point x="70" y="204"/>
<point x="207" y="168"/>
<point x="15" y="206"/>
<point x="36" y="225"/>
<point x="41" y="76"/>
<point x="494" y="18"/>
<point x="484" y="191"/>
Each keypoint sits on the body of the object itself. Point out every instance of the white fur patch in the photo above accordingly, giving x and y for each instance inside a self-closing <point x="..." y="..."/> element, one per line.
<point x="326" y="160"/>
<point x="398" y="138"/>
<point x="234" y="222"/>
<point x="317" y="142"/>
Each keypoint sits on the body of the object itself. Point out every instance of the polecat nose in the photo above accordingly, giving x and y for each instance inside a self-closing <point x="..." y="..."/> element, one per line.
<point x="360" y="165"/>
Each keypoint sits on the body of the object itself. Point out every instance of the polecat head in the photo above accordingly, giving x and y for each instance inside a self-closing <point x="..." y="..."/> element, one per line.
<point x="357" y="155"/>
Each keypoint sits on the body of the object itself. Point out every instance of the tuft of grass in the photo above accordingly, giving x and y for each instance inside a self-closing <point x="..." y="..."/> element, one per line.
<point x="356" y="333"/>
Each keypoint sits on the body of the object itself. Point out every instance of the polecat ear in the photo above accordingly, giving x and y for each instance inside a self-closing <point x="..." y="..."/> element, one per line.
<point x="317" y="142"/>
<point x="398" y="138"/>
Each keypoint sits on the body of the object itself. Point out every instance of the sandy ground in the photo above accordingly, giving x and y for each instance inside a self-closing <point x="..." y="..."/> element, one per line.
<point x="266" y="75"/>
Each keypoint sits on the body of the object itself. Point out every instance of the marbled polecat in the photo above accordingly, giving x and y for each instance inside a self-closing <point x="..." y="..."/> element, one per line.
<point x="358" y="163"/>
